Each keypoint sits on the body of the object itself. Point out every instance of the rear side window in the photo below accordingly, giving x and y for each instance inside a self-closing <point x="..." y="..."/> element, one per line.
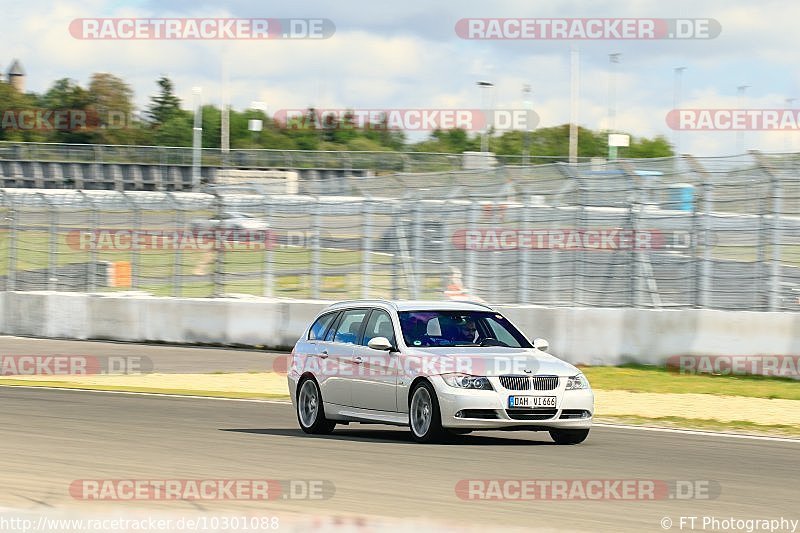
<point x="349" y="326"/>
<point x="317" y="330"/>
<point x="379" y="325"/>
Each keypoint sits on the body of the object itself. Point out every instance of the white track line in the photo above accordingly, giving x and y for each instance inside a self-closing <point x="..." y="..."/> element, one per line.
<point x="286" y="402"/>
<point x="698" y="432"/>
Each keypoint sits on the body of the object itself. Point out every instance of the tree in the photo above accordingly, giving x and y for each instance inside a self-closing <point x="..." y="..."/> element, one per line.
<point x="643" y="147"/>
<point x="164" y="105"/>
<point x="112" y="104"/>
<point x="176" y="131"/>
<point x="67" y="95"/>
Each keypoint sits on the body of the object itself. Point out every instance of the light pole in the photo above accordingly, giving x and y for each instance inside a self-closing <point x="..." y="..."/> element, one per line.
<point x="612" y="104"/>
<point x="788" y="139"/>
<point x="197" y="137"/>
<point x="485" y="85"/>
<point x="574" y="96"/>
<point x="526" y="103"/>
<point x="740" y="134"/>
<point x="676" y="104"/>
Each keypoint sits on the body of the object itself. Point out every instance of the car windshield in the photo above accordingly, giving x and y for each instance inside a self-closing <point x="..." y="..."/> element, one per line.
<point x="459" y="328"/>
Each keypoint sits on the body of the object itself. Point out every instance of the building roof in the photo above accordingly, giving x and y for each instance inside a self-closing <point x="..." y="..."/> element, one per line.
<point x="16" y="69"/>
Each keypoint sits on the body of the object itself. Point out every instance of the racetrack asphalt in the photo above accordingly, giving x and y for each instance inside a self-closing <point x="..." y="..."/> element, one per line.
<point x="50" y="438"/>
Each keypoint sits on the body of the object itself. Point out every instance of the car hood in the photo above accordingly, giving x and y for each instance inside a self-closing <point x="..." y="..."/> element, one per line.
<point x="492" y="361"/>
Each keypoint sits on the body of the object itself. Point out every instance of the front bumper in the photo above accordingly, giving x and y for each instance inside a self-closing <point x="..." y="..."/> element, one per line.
<point x="470" y="409"/>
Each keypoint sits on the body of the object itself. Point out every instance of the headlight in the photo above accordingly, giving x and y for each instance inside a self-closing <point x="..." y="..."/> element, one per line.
<point x="577" y="382"/>
<point x="465" y="381"/>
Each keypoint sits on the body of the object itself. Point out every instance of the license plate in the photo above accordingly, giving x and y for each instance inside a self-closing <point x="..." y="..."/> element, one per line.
<point x="531" y="401"/>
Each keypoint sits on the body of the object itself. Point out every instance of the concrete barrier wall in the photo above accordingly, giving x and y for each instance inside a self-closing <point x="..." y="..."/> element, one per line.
<point x="579" y="335"/>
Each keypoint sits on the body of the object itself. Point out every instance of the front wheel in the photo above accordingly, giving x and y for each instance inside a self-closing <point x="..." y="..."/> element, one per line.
<point x="310" y="411"/>
<point x="424" y="416"/>
<point x="569" y="436"/>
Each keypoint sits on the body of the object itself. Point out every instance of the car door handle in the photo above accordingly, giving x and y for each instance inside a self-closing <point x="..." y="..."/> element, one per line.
<point x="358" y="360"/>
<point x="324" y="354"/>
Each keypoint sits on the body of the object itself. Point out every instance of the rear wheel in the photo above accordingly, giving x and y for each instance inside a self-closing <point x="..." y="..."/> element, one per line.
<point x="569" y="436"/>
<point x="310" y="411"/>
<point x="424" y="416"/>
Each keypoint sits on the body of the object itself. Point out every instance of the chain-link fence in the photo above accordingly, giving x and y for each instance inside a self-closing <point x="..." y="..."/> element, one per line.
<point x="667" y="233"/>
<point x="381" y="161"/>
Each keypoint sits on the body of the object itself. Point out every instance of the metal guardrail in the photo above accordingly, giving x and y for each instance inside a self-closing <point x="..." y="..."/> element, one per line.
<point x="250" y="158"/>
<point x="673" y="233"/>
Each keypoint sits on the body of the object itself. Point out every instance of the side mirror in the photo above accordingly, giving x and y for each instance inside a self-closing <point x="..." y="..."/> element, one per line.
<point x="541" y="344"/>
<point x="380" y="343"/>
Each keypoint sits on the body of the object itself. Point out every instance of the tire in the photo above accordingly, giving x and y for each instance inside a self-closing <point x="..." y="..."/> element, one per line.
<point x="310" y="410"/>
<point x="569" y="436"/>
<point x="424" y="416"/>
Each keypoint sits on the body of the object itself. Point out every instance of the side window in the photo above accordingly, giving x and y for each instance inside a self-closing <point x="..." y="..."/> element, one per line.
<point x="379" y="325"/>
<point x="502" y="334"/>
<point x="317" y="331"/>
<point x="349" y="326"/>
<point x="332" y="329"/>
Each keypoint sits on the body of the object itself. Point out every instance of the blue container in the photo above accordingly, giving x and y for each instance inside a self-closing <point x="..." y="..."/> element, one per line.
<point x="680" y="197"/>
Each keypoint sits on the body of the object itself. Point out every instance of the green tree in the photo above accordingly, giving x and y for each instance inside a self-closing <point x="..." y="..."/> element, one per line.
<point x="643" y="147"/>
<point x="165" y="104"/>
<point x="112" y="103"/>
<point x="67" y="95"/>
<point x="176" y="131"/>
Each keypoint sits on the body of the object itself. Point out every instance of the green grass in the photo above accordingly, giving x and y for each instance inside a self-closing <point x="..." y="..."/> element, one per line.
<point x="736" y="426"/>
<point x="655" y="379"/>
<point x="156" y="269"/>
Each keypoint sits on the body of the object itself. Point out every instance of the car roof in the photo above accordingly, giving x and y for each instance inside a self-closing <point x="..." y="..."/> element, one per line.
<point x="414" y="305"/>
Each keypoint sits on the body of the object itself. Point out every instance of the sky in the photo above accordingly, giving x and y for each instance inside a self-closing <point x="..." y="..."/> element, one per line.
<point x="401" y="55"/>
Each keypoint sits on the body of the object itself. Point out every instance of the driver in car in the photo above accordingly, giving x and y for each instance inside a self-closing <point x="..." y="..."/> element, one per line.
<point x="469" y="332"/>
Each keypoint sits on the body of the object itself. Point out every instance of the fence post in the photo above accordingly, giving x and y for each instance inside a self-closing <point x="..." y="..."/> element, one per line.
<point x="523" y="222"/>
<point x="219" y="249"/>
<point x="136" y="254"/>
<point x="470" y="274"/>
<point x="704" y="283"/>
<point x="270" y="242"/>
<point x="447" y="241"/>
<point x="634" y="212"/>
<point x="315" y="252"/>
<point x="177" y="256"/>
<point x="776" y="190"/>
<point x="52" y="254"/>
<point x="417" y="271"/>
<point x="396" y="252"/>
<point x="578" y="258"/>
<point x="93" y="219"/>
<point x="366" y="252"/>
<point x="12" y="245"/>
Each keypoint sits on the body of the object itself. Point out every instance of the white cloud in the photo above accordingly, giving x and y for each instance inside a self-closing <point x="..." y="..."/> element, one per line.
<point x="407" y="55"/>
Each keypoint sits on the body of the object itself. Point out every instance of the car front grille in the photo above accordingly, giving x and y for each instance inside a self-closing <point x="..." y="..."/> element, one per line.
<point x="537" y="413"/>
<point x="529" y="382"/>
<point x="544" y="382"/>
<point x="515" y="382"/>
